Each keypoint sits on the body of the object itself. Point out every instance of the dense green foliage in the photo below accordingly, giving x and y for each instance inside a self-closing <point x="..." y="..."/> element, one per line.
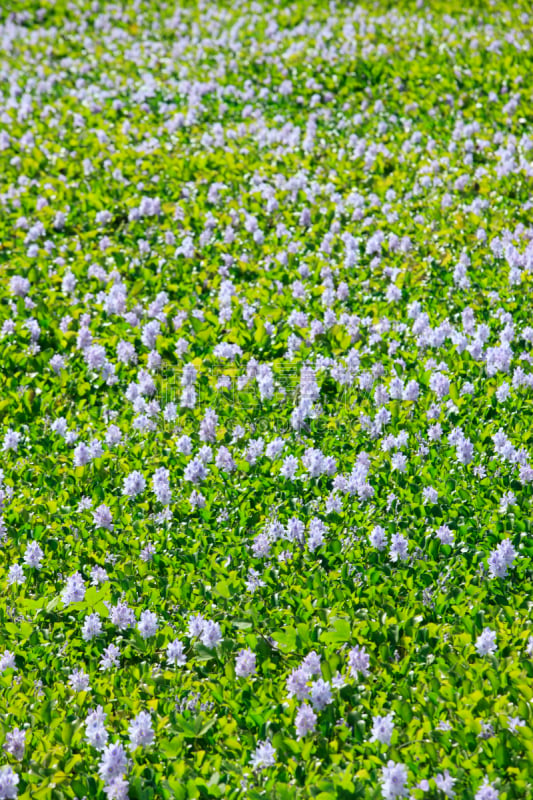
<point x="243" y="223"/>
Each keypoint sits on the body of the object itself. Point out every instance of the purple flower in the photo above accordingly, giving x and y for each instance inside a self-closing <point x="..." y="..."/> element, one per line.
<point x="7" y="661"/>
<point x="211" y="634"/>
<point x="245" y="663"/>
<point x="11" y="440"/>
<point x="110" y="657"/>
<point x="429" y="495"/>
<point x="15" y="575"/>
<point x="95" y="731"/>
<point x="445" y="782"/>
<point x="317" y="529"/>
<point x="196" y="626"/>
<point x="114" y="762"/>
<point x="140" y="731"/>
<point x="378" y="538"/>
<point x="8" y="783"/>
<point x="486" y="642"/>
<point x="161" y="487"/>
<point x="297" y="684"/>
<point x="122" y="616"/>
<point x="134" y="484"/>
<point x="501" y="559"/>
<point x="311" y="664"/>
<point x="117" y="788"/>
<point x="358" y="661"/>
<point x="92" y="626"/>
<point x="102" y="517"/>
<point x="486" y="792"/>
<point x="321" y="694"/>
<point x="15" y="743"/>
<point x="264" y="756"/>
<point x="399" y="549"/>
<point x="79" y="681"/>
<point x="33" y="555"/>
<point x="175" y="654"/>
<point x="74" y="591"/>
<point x="394" y="781"/>
<point x="195" y="471"/>
<point x="147" y="625"/>
<point x="19" y="286"/>
<point x="382" y="728"/>
<point x="305" y="721"/>
<point x="445" y="535"/>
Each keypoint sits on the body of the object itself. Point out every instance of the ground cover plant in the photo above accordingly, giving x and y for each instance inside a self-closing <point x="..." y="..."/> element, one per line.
<point x="265" y="400"/>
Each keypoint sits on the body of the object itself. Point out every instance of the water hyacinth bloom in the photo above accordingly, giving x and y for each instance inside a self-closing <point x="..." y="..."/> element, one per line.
<point x="211" y="634"/>
<point x="147" y="625"/>
<point x="393" y="781"/>
<point x="195" y="471"/>
<point x="92" y="626"/>
<point x="19" y="285"/>
<point x="57" y="363"/>
<point x="501" y="559"/>
<point x="113" y="435"/>
<point x="176" y="654"/>
<point x="261" y="546"/>
<point x="486" y="792"/>
<point x="79" y="681"/>
<point x="317" y="531"/>
<point x="297" y="684"/>
<point x="117" y="788"/>
<point x="95" y="731"/>
<point x="11" y="440"/>
<point x="245" y="663"/>
<point x="514" y="723"/>
<point x="8" y="783"/>
<point x="429" y="495"/>
<point x="382" y="728"/>
<point x="486" y="642"/>
<point x="140" y="731"/>
<point x="305" y="721"/>
<point x="15" y="743"/>
<point x="98" y="576"/>
<point x="320" y="694"/>
<point x="264" y="756"/>
<point x="399" y="548"/>
<point x="224" y="460"/>
<point x="114" y="762"/>
<point x="102" y="517"/>
<point x="274" y="448"/>
<point x="439" y="384"/>
<point x="358" y="662"/>
<point x="378" y="538"/>
<point x="147" y="553"/>
<point x="161" y="487"/>
<point x="445" y="535"/>
<point x="33" y="555"/>
<point x="110" y="657"/>
<point x="196" y="626"/>
<point x="134" y="484"/>
<point x="82" y="455"/>
<point x="311" y="664"/>
<point x="7" y="661"/>
<point x="74" y="591"/>
<point x="15" y="575"/>
<point x="122" y="616"/>
<point x="289" y="467"/>
<point x="445" y="782"/>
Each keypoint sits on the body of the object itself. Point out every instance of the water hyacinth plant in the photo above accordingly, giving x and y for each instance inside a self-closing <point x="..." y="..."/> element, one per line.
<point x="266" y="381"/>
